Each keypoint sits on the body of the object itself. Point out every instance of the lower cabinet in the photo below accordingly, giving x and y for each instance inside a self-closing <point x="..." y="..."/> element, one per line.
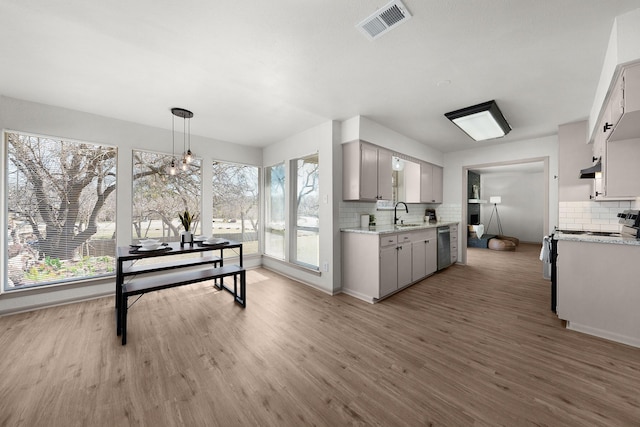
<point x="424" y="254"/>
<point x="374" y="266"/>
<point x="388" y="265"/>
<point x="395" y="263"/>
<point x="597" y="289"/>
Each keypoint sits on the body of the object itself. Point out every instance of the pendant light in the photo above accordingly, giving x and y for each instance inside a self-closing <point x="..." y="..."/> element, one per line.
<point x="187" y="155"/>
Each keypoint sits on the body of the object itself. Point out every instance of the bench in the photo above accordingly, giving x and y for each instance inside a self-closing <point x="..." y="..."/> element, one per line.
<point x="143" y="285"/>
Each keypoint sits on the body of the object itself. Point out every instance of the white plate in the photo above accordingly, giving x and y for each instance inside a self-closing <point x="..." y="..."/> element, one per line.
<point x="151" y="249"/>
<point x="214" y="241"/>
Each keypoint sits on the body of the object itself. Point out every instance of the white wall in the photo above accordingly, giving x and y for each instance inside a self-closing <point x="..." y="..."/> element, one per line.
<point x="19" y="115"/>
<point x="454" y="164"/>
<point x="522" y="209"/>
<point x="384" y="137"/>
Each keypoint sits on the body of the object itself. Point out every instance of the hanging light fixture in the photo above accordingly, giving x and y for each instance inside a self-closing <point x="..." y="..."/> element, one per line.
<point x="187" y="155"/>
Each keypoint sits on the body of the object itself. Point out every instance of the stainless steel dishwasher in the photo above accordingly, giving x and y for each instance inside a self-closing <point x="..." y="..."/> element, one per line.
<point x="444" y="247"/>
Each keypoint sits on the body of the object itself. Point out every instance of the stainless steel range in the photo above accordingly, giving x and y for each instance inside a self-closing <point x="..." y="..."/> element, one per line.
<point x="630" y="220"/>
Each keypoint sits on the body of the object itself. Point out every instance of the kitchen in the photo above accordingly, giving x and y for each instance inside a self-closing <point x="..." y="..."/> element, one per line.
<point x="596" y="243"/>
<point x="139" y="123"/>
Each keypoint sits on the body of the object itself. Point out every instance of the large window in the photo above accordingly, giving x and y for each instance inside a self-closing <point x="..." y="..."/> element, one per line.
<point x="158" y="196"/>
<point x="236" y="204"/>
<point x="60" y="199"/>
<point x="274" y="211"/>
<point x="306" y="207"/>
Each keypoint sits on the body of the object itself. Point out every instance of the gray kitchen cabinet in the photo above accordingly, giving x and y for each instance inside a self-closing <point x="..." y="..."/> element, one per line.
<point x="404" y="259"/>
<point x="388" y="270"/>
<point x="395" y="263"/>
<point x="367" y="172"/>
<point x="424" y="253"/>
<point x="619" y="179"/>
<point x="624" y="105"/>
<point x="375" y="266"/>
<point x="431" y="190"/>
<point x="617" y="139"/>
<point x="411" y="183"/>
<point x="597" y="291"/>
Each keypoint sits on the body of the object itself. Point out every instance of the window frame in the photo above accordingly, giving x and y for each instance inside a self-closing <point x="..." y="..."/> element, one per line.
<point x="294" y="214"/>
<point x="259" y="188"/>
<point x="267" y="210"/>
<point x="5" y="217"/>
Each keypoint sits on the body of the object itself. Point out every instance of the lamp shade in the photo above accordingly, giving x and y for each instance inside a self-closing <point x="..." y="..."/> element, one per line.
<point x="495" y="199"/>
<point x="481" y="122"/>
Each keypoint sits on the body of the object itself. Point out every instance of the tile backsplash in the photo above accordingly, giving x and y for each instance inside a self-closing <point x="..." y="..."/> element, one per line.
<point x="350" y="213"/>
<point x="594" y="216"/>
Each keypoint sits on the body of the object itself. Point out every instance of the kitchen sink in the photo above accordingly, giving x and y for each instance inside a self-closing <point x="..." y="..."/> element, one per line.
<point x="408" y="225"/>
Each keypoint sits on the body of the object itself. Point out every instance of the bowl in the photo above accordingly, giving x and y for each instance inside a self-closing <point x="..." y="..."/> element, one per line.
<point x="150" y="246"/>
<point x="214" y="240"/>
<point x="149" y="241"/>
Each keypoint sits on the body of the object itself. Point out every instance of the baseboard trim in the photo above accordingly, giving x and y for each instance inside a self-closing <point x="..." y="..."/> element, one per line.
<point x="608" y="335"/>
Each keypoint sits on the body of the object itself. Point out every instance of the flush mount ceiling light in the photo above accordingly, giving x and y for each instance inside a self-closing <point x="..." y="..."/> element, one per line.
<point x="481" y="122"/>
<point x="187" y="155"/>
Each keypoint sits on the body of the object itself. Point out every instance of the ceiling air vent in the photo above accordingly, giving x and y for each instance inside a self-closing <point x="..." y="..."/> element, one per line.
<point x="384" y="19"/>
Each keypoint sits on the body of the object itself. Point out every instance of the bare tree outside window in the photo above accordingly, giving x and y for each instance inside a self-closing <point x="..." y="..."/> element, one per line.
<point x="159" y="197"/>
<point x="307" y="224"/>
<point x="236" y="204"/>
<point x="274" y="211"/>
<point x="61" y="210"/>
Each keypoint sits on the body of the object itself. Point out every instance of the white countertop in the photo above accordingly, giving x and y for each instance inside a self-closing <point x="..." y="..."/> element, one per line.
<point x="387" y="229"/>
<point x="588" y="238"/>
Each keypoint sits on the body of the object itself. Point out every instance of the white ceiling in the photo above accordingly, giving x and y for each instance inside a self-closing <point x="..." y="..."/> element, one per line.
<point x="255" y="72"/>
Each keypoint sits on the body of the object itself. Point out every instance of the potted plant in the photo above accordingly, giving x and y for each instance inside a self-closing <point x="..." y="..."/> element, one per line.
<point x="186" y="219"/>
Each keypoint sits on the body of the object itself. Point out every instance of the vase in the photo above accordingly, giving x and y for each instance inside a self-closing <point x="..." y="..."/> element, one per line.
<point x="186" y="237"/>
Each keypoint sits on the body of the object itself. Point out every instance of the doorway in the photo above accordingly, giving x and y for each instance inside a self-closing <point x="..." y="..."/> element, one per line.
<point x="538" y="165"/>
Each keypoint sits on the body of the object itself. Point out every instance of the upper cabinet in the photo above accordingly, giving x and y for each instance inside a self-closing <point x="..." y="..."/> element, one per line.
<point x="430" y="183"/>
<point x="409" y="183"/>
<point x="366" y="172"/>
<point x="617" y="139"/>
<point x="368" y="175"/>
<point x="624" y="106"/>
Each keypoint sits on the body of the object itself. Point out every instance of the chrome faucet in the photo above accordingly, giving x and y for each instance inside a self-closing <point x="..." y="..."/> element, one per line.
<point x="395" y="212"/>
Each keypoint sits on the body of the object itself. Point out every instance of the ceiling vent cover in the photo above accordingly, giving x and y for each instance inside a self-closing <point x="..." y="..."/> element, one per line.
<point x="384" y="20"/>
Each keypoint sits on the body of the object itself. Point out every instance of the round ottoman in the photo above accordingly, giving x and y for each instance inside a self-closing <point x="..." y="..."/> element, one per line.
<point x="501" y="245"/>
<point x="515" y="240"/>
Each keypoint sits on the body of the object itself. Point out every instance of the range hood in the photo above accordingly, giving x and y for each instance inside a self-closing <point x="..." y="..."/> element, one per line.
<point x="591" y="172"/>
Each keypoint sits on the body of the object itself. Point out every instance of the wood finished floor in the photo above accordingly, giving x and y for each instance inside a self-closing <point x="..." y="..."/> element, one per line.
<point x="473" y="345"/>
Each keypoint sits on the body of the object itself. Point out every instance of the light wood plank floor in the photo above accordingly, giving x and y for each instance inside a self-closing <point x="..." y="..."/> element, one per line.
<point x="473" y="345"/>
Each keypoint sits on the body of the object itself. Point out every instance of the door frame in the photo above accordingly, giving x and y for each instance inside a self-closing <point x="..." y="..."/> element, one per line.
<point x="462" y="233"/>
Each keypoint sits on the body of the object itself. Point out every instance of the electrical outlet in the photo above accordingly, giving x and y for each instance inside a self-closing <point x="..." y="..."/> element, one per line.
<point x="325" y="266"/>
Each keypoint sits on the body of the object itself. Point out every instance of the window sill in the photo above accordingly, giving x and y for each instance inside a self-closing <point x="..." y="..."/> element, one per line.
<point x="315" y="272"/>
